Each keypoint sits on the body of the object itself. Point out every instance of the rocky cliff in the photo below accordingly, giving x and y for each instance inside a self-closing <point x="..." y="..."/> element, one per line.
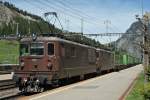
<point x="133" y="38"/>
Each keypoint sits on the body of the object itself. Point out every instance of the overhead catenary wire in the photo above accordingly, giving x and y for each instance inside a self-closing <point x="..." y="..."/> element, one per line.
<point x="43" y="6"/>
<point x="78" y="12"/>
<point x="72" y="11"/>
<point x="68" y="5"/>
<point x="56" y="8"/>
<point x="51" y="7"/>
<point x="69" y="11"/>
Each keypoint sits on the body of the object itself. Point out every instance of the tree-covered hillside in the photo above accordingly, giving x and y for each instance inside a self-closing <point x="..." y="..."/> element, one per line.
<point x="24" y="19"/>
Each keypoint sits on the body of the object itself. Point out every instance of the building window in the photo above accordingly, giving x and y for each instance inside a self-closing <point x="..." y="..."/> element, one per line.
<point x="50" y="49"/>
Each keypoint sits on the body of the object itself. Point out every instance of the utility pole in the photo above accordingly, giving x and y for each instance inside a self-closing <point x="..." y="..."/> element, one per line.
<point x="17" y="33"/>
<point x="67" y="25"/>
<point x="145" y="22"/>
<point x="82" y="23"/>
<point x="107" y="23"/>
<point x="29" y="26"/>
<point x="142" y="7"/>
<point x="146" y="54"/>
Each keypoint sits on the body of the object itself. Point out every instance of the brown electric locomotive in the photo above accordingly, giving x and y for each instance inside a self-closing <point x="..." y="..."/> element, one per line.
<point x="47" y="60"/>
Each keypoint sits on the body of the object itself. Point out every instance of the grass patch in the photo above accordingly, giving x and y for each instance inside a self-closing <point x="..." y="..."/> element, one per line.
<point x="9" y="52"/>
<point x="137" y="93"/>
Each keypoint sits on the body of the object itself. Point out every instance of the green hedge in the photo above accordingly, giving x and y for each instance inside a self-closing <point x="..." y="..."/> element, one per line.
<point x="9" y="52"/>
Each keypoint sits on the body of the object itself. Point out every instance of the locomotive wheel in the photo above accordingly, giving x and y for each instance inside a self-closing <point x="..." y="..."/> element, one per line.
<point x="41" y="89"/>
<point x="36" y="88"/>
<point x="62" y="81"/>
<point x="55" y="83"/>
<point x="28" y="88"/>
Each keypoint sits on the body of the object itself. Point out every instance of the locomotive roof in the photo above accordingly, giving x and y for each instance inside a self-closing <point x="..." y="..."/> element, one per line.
<point x="42" y="39"/>
<point x="103" y="50"/>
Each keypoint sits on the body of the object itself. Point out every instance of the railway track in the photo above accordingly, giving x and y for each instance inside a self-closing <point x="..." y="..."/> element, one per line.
<point x="7" y="84"/>
<point x="9" y="94"/>
<point x="8" y="89"/>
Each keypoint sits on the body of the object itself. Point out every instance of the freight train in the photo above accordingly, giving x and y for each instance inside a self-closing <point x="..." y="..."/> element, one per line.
<point x="48" y="60"/>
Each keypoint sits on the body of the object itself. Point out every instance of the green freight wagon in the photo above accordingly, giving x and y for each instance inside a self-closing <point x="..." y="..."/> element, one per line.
<point x="129" y="59"/>
<point x="125" y="59"/>
<point x="118" y="58"/>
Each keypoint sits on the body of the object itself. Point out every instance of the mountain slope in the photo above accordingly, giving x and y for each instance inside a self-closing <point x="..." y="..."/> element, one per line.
<point x="10" y="16"/>
<point x="132" y="38"/>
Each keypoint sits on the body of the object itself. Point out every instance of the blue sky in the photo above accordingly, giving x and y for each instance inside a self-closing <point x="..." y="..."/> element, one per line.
<point x="120" y="13"/>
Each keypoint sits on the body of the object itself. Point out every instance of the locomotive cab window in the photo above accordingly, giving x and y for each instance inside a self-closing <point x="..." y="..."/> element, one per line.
<point x="37" y="49"/>
<point x="24" y="49"/>
<point x="50" y="49"/>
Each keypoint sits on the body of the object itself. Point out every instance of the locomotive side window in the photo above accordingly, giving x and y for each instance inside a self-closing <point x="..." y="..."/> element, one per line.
<point x="37" y="49"/>
<point x="91" y="56"/>
<point x="63" y="49"/>
<point x="73" y="52"/>
<point x="24" y="49"/>
<point x="50" y="49"/>
<point x="67" y="52"/>
<point x="97" y="54"/>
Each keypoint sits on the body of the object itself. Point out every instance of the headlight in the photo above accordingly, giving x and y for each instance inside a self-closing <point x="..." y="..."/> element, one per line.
<point x="49" y="65"/>
<point x="22" y="64"/>
<point x="25" y="79"/>
<point x="37" y="81"/>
